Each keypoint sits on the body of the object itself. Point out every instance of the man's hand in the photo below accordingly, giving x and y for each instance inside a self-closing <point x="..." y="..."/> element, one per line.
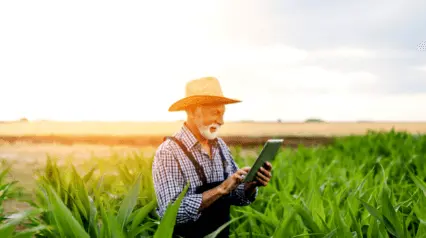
<point x="233" y="181"/>
<point x="263" y="176"/>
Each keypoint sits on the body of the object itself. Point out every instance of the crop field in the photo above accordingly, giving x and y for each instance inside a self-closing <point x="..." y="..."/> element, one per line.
<point x="142" y="134"/>
<point x="248" y="129"/>
<point x="371" y="185"/>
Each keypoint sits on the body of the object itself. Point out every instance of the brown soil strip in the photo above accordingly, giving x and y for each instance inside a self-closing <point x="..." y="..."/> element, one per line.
<point x="140" y="141"/>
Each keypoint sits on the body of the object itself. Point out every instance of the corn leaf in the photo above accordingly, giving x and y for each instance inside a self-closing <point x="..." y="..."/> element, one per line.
<point x="166" y="227"/>
<point x="65" y="220"/>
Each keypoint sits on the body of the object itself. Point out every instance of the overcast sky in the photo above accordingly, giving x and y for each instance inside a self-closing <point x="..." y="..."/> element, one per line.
<point x="104" y="60"/>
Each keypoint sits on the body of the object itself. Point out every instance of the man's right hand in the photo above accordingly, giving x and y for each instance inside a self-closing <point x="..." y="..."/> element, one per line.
<point x="233" y="181"/>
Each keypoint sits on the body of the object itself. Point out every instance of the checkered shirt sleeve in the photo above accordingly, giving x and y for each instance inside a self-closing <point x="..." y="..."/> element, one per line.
<point x="169" y="183"/>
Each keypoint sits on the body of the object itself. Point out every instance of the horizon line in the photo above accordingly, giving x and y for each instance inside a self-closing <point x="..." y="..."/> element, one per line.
<point x="278" y="121"/>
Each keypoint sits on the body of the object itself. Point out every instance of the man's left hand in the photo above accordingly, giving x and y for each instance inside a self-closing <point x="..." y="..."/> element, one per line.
<point x="263" y="175"/>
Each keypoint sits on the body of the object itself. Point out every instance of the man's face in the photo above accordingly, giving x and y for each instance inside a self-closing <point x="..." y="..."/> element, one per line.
<point x="209" y="119"/>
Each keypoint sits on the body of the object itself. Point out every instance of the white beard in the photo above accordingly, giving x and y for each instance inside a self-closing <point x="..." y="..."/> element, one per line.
<point x="206" y="133"/>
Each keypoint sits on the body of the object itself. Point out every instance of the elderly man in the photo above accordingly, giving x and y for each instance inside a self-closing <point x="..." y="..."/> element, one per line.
<point x="196" y="155"/>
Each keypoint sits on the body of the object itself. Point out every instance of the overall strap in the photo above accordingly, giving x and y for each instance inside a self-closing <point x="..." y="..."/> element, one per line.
<point x="177" y="161"/>
<point x="198" y="168"/>
<point x="222" y="155"/>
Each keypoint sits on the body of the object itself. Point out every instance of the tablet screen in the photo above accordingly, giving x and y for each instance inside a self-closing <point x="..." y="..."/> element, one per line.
<point x="268" y="153"/>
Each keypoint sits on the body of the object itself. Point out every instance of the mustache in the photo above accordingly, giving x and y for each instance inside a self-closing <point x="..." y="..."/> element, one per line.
<point x="216" y="126"/>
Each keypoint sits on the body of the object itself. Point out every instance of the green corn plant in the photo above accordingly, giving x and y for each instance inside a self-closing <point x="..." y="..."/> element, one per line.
<point x="86" y="208"/>
<point x="127" y="223"/>
<point x="9" y="190"/>
<point x="359" y="186"/>
<point x="119" y="172"/>
<point x="8" y="228"/>
<point x="73" y="211"/>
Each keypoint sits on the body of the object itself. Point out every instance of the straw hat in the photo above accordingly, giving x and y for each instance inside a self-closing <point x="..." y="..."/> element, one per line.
<point x="202" y="91"/>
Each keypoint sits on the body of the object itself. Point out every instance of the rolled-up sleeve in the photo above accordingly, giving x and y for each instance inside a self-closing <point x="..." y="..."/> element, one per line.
<point x="168" y="184"/>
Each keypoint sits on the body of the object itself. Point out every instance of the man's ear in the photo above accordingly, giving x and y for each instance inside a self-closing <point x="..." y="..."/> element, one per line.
<point x="190" y="112"/>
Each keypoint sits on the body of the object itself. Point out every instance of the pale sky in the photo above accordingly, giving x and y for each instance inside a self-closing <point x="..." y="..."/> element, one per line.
<point x="293" y="60"/>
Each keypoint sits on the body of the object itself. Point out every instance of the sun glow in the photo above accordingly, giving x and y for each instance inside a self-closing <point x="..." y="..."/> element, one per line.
<point x="97" y="61"/>
<point x="129" y="61"/>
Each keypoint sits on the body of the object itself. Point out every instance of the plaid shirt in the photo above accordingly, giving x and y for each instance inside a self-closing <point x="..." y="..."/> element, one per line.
<point x="169" y="182"/>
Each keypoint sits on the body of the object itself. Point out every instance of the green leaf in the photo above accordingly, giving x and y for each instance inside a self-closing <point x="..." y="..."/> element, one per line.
<point x="307" y="218"/>
<point x="420" y="184"/>
<point x="355" y="223"/>
<point x="116" y="230"/>
<point x="221" y="228"/>
<point x="140" y="216"/>
<point x="7" y="228"/>
<point x="282" y="230"/>
<point x="389" y="216"/>
<point x="89" y="175"/>
<point x="65" y="220"/>
<point x="166" y="227"/>
<point x="129" y="203"/>
<point x="373" y="211"/>
<point x="29" y="233"/>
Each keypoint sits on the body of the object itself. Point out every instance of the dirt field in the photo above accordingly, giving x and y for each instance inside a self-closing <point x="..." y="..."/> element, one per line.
<point x="229" y="129"/>
<point x="152" y="133"/>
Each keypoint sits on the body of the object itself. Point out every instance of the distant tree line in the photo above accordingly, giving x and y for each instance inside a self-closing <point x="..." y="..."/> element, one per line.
<point x="23" y="119"/>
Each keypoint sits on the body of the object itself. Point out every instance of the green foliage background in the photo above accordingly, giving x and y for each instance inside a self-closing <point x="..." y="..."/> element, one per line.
<point x="360" y="186"/>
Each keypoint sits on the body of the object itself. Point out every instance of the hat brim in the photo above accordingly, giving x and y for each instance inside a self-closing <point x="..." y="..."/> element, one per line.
<point x="184" y="103"/>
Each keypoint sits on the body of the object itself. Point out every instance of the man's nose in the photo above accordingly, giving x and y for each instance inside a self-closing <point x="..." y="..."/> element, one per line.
<point x="220" y="120"/>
